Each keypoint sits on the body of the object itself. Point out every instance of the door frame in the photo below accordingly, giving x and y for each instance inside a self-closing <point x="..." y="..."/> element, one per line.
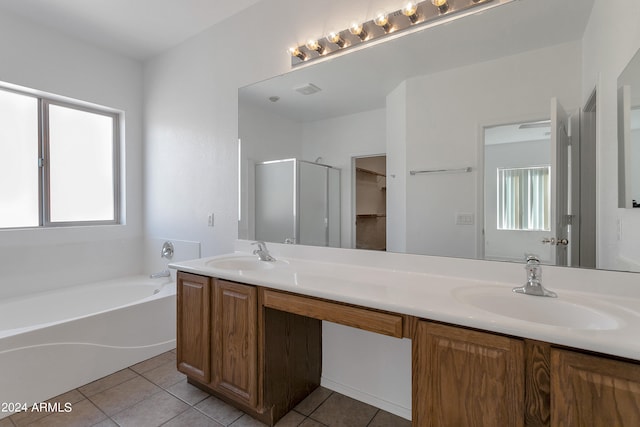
<point x="480" y="212"/>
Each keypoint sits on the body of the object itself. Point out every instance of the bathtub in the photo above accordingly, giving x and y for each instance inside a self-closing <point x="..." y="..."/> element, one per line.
<point x="55" y="341"/>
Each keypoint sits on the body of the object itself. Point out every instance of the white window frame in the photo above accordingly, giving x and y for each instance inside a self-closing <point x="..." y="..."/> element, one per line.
<point x="44" y="205"/>
<point x="524" y="222"/>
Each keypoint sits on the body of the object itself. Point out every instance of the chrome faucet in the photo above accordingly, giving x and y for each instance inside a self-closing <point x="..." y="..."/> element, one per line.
<point x="262" y="251"/>
<point x="163" y="273"/>
<point x="534" y="280"/>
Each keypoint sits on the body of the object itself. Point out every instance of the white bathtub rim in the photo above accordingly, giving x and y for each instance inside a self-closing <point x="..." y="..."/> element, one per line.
<point x="165" y="288"/>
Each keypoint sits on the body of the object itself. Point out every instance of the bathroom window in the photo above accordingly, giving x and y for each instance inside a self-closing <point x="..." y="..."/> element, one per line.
<point x="523" y="198"/>
<point x="58" y="163"/>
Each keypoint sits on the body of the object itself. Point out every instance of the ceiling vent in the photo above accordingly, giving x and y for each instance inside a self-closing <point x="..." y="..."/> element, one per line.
<point x="308" y="89"/>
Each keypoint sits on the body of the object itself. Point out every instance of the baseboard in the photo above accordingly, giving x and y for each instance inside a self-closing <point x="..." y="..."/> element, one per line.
<point x="362" y="396"/>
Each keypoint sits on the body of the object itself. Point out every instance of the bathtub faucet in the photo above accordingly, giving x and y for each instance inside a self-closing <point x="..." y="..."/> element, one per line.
<point x="163" y="273"/>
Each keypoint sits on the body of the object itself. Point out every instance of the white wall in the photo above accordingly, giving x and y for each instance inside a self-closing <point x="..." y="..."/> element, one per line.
<point x="445" y="115"/>
<point x="611" y="39"/>
<point x="397" y="169"/>
<point x="40" y="259"/>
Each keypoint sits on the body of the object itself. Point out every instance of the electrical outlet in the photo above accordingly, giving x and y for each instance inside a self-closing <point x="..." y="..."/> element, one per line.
<point x="464" y="218"/>
<point x="210" y="221"/>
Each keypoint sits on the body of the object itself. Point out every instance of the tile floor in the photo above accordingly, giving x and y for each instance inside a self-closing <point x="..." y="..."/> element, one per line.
<point x="153" y="393"/>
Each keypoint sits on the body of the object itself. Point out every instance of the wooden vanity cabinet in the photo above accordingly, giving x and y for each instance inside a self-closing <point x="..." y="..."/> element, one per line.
<point x="261" y="360"/>
<point x="234" y="340"/>
<point x="217" y="337"/>
<point x="464" y="377"/>
<point x="589" y="390"/>
<point x="261" y="350"/>
<point x="475" y="378"/>
<point x="193" y="326"/>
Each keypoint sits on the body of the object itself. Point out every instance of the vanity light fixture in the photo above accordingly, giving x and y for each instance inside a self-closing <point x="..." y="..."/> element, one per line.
<point x="412" y="16"/>
<point x="314" y="45"/>
<point x="295" y="52"/>
<point x="358" y="30"/>
<point x="336" y="38"/>
<point x="382" y="20"/>
<point x="442" y="5"/>
<point x="410" y="10"/>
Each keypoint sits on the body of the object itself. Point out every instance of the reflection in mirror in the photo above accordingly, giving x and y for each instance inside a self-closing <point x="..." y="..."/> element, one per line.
<point x="629" y="135"/>
<point x="517" y="202"/>
<point x="425" y="101"/>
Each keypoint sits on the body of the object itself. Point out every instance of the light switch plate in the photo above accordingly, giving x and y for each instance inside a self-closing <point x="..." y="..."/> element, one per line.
<point x="464" y="218"/>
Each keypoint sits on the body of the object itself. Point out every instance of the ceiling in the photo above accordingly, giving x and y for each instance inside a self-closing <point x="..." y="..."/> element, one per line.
<point x="139" y="29"/>
<point x="361" y="80"/>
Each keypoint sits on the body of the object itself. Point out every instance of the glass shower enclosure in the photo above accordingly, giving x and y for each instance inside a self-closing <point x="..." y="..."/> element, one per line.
<point x="297" y="201"/>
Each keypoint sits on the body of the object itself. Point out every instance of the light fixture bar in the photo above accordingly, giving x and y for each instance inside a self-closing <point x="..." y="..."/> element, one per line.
<point x="412" y="15"/>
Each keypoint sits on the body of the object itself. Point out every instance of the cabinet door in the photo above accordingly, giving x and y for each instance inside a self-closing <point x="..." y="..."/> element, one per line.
<point x="234" y="350"/>
<point x="466" y="378"/>
<point x="193" y="326"/>
<point x="593" y="391"/>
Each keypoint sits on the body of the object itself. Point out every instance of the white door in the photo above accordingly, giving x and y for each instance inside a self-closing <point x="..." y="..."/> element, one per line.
<point x="559" y="221"/>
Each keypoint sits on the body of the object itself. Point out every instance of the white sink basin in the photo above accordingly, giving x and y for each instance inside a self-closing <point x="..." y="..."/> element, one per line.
<point x="567" y="312"/>
<point x="241" y="263"/>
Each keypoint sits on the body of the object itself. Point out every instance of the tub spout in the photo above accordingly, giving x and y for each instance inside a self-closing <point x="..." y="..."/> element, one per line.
<point x="163" y="273"/>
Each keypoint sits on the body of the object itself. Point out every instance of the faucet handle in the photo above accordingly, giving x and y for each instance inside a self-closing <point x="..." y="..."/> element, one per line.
<point x="533" y="259"/>
<point x="261" y="245"/>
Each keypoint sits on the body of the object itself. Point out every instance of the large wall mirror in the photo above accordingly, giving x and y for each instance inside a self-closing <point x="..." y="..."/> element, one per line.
<point x="458" y="140"/>
<point x="629" y="135"/>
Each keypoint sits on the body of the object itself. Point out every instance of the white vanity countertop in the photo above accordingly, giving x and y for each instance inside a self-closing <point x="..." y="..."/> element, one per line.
<point x="462" y="292"/>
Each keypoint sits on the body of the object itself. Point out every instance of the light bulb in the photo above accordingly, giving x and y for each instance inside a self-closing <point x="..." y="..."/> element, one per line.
<point x="314" y="45"/>
<point x="294" y="51"/>
<point x="410" y="10"/>
<point x="336" y="38"/>
<point x="358" y="30"/>
<point x="382" y="20"/>
<point x="442" y="5"/>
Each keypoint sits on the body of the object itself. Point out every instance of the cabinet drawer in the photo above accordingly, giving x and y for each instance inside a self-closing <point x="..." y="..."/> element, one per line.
<point x="357" y="317"/>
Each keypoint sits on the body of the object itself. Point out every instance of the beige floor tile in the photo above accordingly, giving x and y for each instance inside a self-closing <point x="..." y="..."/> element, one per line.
<point x="106" y="423"/>
<point x="192" y="418"/>
<point x="218" y="410"/>
<point x="25" y="418"/>
<point x="315" y="399"/>
<point x="124" y="395"/>
<point x="72" y="396"/>
<point x="107" y="382"/>
<point x="247" y="421"/>
<point x="311" y="423"/>
<point x="6" y="422"/>
<point x="83" y="414"/>
<point x="385" y="419"/>
<point x="292" y="419"/>
<point x="164" y="375"/>
<point x="29" y="417"/>
<point x="188" y="393"/>
<point x="343" y="411"/>
<point x="151" y="412"/>
<point x="154" y="362"/>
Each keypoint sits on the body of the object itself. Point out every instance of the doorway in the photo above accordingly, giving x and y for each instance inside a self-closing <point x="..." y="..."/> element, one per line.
<point x="370" y="202"/>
